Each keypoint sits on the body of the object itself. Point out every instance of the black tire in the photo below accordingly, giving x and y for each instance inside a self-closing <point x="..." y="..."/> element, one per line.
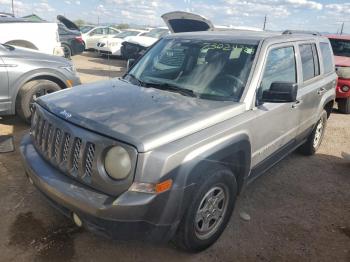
<point x="29" y="92"/>
<point x="315" y="138"/>
<point x="67" y="51"/>
<point x="344" y="105"/>
<point x="188" y="236"/>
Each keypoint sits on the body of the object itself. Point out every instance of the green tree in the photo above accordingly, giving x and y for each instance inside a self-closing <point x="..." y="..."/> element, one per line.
<point x="79" y="22"/>
<point x="122" y="26"/>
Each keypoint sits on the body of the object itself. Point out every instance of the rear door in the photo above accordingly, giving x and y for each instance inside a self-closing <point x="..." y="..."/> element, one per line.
<point x="314" y="85"/>
<point x="179" y="22"/>
<point x="4" y="87"/>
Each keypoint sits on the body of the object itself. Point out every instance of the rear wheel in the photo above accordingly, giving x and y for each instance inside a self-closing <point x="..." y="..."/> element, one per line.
<point x="210" y="211"/>
<point x="67" y="51"/>
<point x="315" y="138"/>
<point x="344" y="105"/>
<point x="29" y="92"/>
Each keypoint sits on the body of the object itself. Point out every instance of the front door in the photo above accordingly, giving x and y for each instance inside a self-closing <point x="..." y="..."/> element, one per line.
<point x="4" y="87"/>
<point x="95" y="36"/>
<point x="276" y="124"/>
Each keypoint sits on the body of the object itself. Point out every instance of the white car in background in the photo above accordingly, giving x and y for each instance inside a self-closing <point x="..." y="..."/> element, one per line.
<point x="112" y="45"/>
<point x="40" y="36"/>
<point x="91" y="35"/>
<point x="136" y="44"/>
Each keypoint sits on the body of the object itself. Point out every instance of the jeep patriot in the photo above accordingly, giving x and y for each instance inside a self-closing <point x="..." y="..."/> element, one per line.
<point x="163" y="152"/>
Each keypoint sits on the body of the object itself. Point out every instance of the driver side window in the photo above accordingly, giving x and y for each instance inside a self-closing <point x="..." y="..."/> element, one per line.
<point x="280" y="67"/>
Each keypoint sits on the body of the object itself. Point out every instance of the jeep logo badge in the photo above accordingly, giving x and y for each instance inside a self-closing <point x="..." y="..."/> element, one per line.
<point x="65" y="114"/>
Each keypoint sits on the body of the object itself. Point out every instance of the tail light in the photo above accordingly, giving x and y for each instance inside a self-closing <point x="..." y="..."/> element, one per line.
<point x="79" y="39"/>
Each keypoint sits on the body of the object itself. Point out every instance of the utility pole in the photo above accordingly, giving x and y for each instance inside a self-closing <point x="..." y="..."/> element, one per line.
<point x="13" y="10"/>
<point x="98" y="20"/>
<point x="265" y="19"/>
<point x="342" y="28"/>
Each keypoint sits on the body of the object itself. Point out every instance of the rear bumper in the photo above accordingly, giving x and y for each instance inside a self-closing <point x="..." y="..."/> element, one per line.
<point x="342" y="82"/>
<point x="131" y="216"/>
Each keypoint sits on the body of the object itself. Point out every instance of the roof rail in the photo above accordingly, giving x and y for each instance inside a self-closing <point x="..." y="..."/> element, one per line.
<point x="291" y="32"/>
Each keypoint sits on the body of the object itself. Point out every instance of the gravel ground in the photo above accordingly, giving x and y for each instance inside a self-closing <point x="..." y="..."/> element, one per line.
<point x="300" y="210"/>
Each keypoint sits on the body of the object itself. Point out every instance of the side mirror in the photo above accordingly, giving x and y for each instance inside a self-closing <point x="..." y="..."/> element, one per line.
<point x="130" y="63"/>
<point x="280" y="92"/>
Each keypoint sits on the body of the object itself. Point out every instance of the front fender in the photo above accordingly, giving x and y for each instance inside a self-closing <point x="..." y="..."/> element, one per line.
<point x="17" y="82"/>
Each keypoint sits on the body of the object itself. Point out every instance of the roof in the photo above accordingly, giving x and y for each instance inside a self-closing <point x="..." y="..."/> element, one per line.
<point x="33" y="17"/>
<point x="344" y="37"/>
<point x="247" y="35"/>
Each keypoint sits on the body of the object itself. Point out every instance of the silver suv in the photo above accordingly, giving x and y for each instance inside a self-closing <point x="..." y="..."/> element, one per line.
<point x="163" y="153"/>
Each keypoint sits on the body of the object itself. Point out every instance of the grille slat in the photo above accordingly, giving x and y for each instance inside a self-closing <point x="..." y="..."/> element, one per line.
<point x="65" y="151"/>
<point x="89" y="159"/>
<point x="76" y="154"/>
<point x="66" y="147"/>
<point x="57" y="144"/>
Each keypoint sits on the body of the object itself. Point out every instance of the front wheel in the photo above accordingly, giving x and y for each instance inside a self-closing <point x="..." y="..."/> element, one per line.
<point x="315" y="138"/>
<point x="209" y="213"/>
<point x="29" y="92"/>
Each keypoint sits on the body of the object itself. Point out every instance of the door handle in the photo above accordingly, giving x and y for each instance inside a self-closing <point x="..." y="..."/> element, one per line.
<point x="321" y="90"/>
<point x="296" y="104"/>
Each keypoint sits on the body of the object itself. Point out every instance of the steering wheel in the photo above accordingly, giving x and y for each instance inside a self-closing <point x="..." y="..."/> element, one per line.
<point x="227" y="85"/>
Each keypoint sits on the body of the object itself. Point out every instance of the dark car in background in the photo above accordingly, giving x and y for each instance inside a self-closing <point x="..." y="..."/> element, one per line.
<point x="70" y="37"/>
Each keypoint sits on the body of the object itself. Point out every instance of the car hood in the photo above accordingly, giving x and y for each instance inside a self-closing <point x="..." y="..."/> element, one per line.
<point x="179" y="22"/>
<point x="143" y="117"/>
<point x="342" y="61"/>
<point x="145" y="41"/>
<point x="26" y="53"/>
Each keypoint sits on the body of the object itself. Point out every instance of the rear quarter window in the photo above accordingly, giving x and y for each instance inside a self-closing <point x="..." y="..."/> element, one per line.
<point x="327" y="57"/>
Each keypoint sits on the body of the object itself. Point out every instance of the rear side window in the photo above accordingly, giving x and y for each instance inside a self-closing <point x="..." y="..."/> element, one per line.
<point x="280" y="67"/>
<point x="309" y="60"/>
<point x="327" y="58"/>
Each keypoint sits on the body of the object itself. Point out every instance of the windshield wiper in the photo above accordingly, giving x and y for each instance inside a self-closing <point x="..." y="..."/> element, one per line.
<point x="172" y="88"/>
<point x="134" y="78"/>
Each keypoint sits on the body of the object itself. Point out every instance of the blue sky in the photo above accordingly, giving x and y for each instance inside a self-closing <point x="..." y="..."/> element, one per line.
<point x="320" y="15"/>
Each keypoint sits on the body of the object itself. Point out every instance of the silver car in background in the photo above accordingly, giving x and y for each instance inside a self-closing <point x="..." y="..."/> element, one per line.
<point x="27" y="74"/>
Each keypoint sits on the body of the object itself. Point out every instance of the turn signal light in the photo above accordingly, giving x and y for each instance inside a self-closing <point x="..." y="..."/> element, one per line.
<point x="164" y="186"/>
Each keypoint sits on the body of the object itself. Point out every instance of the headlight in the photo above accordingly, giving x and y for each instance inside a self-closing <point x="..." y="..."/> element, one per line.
<point x="117" y="163"/>
<point x="69" y="68"/>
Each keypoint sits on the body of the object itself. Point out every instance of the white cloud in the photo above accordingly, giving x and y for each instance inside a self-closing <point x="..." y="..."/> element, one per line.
<point x="305" y="4"/>
<point x="77" y="2"/>
<point x="67" y="2"/>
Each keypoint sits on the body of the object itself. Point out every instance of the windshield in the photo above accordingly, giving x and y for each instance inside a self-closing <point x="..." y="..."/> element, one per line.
<point x="126" y="34"/>
<point x="211" y="70"/>
<point x="85" y="29"/>
<point x="156" y="33"/>
<point x="340" y="47"/>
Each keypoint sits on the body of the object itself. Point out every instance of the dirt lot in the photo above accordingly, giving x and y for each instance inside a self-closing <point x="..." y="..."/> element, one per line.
<point x="300" y="210"/>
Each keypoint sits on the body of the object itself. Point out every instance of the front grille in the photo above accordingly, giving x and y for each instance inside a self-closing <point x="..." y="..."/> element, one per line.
<point x="63" y="149"/>
<point x="77" y="152"/>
